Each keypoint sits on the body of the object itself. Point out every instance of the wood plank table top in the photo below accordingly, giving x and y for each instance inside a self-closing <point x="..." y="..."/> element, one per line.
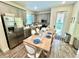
<point x="45" y="42"/>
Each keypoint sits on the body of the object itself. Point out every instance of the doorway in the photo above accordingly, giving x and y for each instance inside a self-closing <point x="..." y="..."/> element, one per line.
<point x="59" y="24"/>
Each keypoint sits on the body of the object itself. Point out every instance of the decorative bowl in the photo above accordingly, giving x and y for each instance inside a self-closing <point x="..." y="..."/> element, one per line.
<point x="36" y="41"/>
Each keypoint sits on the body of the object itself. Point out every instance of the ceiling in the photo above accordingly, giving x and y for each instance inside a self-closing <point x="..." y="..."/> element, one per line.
<point x="42" y="5"/>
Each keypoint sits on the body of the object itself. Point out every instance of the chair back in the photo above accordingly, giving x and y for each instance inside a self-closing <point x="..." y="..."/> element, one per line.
<point x="33" y="31"/>
<point x="30" y="49"/>
<point x="37" y="30"/>
<point x="43" y="29"/>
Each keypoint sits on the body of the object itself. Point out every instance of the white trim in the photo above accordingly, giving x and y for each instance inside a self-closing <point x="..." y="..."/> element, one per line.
<point x="8" y="14"/>
<point x="43" y="12"/>
<point x="14" y="4"/>
<point x="4" y="50"/>
<point x="3" y="42"/>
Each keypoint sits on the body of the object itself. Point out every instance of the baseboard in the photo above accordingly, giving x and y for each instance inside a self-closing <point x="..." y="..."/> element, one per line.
<point x="4" y="50"/>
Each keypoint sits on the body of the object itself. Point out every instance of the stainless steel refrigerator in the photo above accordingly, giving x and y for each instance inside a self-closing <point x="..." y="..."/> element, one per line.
<point x="13" y="27"/>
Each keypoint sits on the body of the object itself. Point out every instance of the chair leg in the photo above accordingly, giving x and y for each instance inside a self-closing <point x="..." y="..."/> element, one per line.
<point x="46" y="54"/>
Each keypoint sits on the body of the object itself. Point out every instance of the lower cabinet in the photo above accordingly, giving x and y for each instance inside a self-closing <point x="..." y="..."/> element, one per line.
<point x="27" y="33"/>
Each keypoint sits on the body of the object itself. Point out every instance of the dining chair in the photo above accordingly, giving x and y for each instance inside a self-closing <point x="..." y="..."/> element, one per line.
<point x="45" y="54"/>
<point x="43" y="29"/>
<point x="33" y="31"/>
<point x="37" y="30"/>
<point x="32" y="52"/>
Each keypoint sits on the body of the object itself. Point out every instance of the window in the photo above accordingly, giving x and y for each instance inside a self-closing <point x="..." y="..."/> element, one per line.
<point x="29" y="19"/>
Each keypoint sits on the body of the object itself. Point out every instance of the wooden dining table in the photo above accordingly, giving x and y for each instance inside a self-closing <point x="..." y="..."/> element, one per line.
<point x="45" y="43"/>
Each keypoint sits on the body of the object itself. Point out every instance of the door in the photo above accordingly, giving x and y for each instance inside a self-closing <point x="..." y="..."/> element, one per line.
<point x="60" y="23"/>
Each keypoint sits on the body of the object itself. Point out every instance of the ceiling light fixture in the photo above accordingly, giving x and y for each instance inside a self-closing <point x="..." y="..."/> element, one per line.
<point x="35" y="7"/>
<point x="63" y="2"/>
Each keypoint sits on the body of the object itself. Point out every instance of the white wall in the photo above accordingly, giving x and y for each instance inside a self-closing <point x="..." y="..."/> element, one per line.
<point x="43" y="15"/>
<point x="3" y="42"/>
<point x="74" y="26"/>
<point x="14" y="4"/>
<point x="68" y="10"/>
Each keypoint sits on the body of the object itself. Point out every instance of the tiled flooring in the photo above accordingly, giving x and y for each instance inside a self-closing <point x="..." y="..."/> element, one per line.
<point x="60" y="49"/>
<point x="17" y="52"/>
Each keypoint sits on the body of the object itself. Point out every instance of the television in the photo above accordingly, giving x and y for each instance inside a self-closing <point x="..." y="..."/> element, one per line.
<point x="43" y="21"/>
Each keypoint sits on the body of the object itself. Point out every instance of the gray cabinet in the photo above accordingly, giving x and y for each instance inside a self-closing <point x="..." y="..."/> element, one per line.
<point x="27" y="32"/>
